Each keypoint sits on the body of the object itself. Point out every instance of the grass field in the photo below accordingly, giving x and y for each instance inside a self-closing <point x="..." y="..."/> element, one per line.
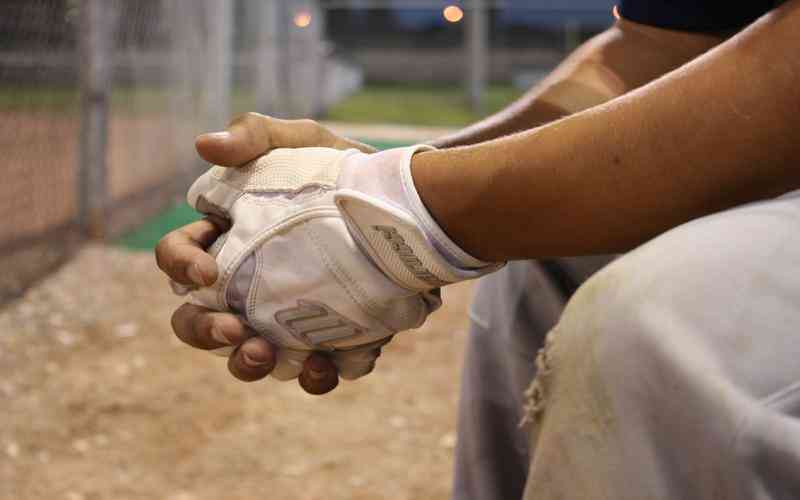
<point x="412" y="105"/>
<point x="417" y="105"/>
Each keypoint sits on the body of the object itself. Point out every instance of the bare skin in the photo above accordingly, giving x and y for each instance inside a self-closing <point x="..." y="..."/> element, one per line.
<point x="715" y="133"/>
<point x="622" y="58"/>
<point x="181" y="253"/>
<point x="619" y="60"/>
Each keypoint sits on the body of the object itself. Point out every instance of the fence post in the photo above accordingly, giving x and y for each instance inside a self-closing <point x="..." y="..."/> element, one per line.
<point x="271" y="59"/>
<point x="219" y="63"/>
<point x="322" y="50"/>
<point x="477" y="53"/>
<point x="96" y="52"/>
<point x="307" y="53"/>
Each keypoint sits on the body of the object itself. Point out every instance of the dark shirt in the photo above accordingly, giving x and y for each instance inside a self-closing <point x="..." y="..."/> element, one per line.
<point x="696" y="15"/>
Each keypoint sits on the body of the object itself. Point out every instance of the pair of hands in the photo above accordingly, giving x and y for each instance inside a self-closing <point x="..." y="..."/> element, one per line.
<point x="181" y="254"/>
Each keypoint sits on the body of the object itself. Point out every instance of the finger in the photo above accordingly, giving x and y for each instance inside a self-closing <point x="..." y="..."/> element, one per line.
<point x="356" y="363"/>
<point x="250" y="135"/>
<point x="289" y="364"/>
<point x="319" y="375"/>
<point x="180" y="254"/>
<point x="253" y="360"/>
<point x="207" y="329"/>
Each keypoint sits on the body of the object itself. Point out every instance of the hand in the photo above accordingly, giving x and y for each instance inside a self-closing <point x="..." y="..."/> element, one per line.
<point x="328" y="251"/>
<point x="181" y="255"/>
<point x="251" y="135"/>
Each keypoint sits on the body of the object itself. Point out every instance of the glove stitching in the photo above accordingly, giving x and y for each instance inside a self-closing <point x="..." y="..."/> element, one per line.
<point x="344" y="278"/>
<point x="254" y="288"/>
<point x="261" y="327"/>
<point x="347" y="282"/>
<point x="263" y="236"/>
<point x="323" y="188"/>
<point x="252" y="194"/>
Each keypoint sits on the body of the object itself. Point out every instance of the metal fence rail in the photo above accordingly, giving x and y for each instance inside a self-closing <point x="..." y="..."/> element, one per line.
<point x="100" y="100"/>
<point x="92" y="143"/>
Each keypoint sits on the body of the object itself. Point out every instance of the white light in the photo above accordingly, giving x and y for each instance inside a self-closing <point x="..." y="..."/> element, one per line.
<point x="453" y="13"/>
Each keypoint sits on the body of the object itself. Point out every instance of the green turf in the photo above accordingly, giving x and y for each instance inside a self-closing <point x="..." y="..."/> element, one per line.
<point x="147" y="235"/>
<point x="405" y="104"/>
<point x="418" y="105"/>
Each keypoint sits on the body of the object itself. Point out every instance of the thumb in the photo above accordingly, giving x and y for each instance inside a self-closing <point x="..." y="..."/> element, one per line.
<point x="248" y="136"/>
<point x="251" y="135"/>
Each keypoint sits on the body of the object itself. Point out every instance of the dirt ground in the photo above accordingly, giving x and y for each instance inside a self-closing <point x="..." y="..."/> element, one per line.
<point x="100" y="401"/>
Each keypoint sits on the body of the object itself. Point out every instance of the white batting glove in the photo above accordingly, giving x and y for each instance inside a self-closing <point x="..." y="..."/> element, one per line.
<point x="328" y="250"/>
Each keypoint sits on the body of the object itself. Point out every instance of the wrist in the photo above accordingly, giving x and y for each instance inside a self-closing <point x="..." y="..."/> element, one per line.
<point x="437" y="235"/>
<point x="448" y="196"/>
<point x="386" y="217"/>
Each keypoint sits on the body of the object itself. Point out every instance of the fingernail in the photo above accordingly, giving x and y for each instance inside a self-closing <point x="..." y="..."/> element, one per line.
<point x="220" y="136"/>
<point x="195" y="275"/>
<point x="217" y="335"/>
<point x="249" y="361"/>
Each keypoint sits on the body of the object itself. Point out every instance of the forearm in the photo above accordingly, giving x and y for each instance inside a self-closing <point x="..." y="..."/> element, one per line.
<point x="622" y="58"/>
<point x="715" y="133"/>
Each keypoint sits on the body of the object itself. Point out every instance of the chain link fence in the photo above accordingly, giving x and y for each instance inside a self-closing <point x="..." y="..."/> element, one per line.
<point x="100" y="101"/>
<point x="38" y="139"/>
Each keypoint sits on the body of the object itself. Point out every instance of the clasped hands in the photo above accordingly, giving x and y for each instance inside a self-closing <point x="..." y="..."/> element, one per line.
<point x="310" y="257"/>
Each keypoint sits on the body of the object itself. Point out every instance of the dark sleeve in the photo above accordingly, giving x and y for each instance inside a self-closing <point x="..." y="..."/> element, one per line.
<point x="698" y="15"/>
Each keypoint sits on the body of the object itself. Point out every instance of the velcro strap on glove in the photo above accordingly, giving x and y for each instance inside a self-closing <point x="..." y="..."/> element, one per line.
<point x="388" y="219"/>
<point x="396" y="243"/>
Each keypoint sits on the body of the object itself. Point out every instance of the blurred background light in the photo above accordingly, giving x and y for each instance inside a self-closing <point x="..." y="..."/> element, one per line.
<point x="302" y="19"/>
<point x="453" y="13"/>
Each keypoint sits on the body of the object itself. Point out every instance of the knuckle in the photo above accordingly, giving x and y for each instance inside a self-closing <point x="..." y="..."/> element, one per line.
<point x="233" y="328"/>
<point x="241" y="372"/>
<point x="202" y="325"/>
<point x="251" y="119"/>
<point x="168" y="259"/>
<point x="218" y="224"/>
<point x="312" y="131"/>
<point x="162" y="251"/>
<point x="259" y="349"/>
<point x="241" y="118"/>
<point x="176" y="321"/>
<point x="308" y="123"/>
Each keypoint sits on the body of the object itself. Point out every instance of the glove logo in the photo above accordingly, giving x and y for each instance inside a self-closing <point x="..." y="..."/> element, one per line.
<point x="317" y="324"/>
<point x="407" y="256"/>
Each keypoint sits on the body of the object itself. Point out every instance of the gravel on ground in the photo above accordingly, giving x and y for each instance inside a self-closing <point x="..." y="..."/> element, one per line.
<point x="100" y="401"/>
